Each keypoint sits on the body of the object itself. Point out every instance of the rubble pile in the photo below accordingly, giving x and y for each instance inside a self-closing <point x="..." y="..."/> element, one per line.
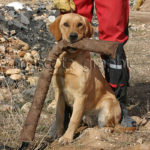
<point x="17" y="61"/>
<point x="29" y="26"/>
<point x="24" y="44"/>
<point x="24" y="41"/>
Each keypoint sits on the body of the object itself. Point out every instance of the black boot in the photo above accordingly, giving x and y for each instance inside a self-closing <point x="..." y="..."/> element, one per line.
<point x="117" y="75"/>
<point x="121" y="94"/>
<point x="126" y="120"/>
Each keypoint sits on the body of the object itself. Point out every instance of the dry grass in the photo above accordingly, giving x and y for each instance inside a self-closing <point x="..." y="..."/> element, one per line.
<point x="11" y="124"/>
<point x="12" y="121"/>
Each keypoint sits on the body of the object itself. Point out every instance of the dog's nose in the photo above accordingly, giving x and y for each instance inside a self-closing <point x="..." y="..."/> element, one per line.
<point x="73" y="36"/>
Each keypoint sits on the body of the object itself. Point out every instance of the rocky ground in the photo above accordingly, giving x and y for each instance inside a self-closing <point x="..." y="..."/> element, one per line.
<point x="24" y="44"/>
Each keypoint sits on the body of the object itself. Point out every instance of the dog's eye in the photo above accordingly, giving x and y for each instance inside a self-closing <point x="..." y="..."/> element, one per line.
<point x="79" y="24"/>
<point x="66" y="24"/>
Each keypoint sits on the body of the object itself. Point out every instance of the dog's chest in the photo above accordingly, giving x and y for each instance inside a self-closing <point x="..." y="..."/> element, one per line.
<point x="69" y="96"/>
<point x="71" y="77"/>
<point x="70" y="81"/>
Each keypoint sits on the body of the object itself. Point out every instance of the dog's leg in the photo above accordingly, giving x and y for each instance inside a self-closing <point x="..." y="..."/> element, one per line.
<point x="78" y="109"/>
<point x="109" y="113"/>
<point x="102" y="117"/>
<point x="57" y="128"/>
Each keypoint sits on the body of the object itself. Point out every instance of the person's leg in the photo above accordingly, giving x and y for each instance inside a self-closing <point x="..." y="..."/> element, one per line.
<point x="113" y="19"/>
<point x="84" y="8"/>
<point x="117" y="73"/>
<point x="113" y="26"/>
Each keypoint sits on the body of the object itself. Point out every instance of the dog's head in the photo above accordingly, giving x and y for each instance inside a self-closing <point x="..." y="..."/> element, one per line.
<point x="71" y="28"/>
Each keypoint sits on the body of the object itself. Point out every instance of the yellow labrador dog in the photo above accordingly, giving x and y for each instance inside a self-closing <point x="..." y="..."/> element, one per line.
<point x="79" y="83"/>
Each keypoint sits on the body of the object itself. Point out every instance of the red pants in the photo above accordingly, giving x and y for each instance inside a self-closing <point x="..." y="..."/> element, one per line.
<point x="112" y="16"/>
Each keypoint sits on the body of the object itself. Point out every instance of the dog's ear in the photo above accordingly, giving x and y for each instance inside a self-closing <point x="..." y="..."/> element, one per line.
<point x="89" y="29"/>
<point x="54" y="29"/>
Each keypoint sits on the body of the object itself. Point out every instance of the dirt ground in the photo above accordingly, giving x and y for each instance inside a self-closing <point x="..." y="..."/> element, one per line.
<point x="138" y="57"/>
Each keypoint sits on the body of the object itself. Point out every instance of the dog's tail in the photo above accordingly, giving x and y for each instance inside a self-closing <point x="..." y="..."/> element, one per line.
<point x="120" y="128"/>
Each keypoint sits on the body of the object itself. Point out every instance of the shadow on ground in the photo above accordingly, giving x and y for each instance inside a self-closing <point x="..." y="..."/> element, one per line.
<point x="139" y="99"/>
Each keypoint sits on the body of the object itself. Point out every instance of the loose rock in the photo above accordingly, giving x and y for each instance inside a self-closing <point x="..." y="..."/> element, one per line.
<point x="2" y="49"/>
<point x="25" y="108"/>
<point x="13" y="71"/>
<point x="2" y="39"/>
<point x="51" y="18"/>
<point x="2" y="78"/>
<point x="28" y="58"/>
<point x="140" y="141"/>
<point x="16" y="77"/>
<point x="21" y="53"/>
<point x="33" y="80"/>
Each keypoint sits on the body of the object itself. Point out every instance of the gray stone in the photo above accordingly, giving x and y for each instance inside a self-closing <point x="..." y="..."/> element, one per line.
<point x="17" y="63"/>
<point x="23" y="65"/>
<point x="24" y="19"/>
<point x="19" y="24"/>
<point x="13" y="13"/>
<point x="2" y="18"/>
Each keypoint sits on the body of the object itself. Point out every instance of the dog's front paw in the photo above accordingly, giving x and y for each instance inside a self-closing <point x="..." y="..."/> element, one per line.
<point x="64" y="140"/>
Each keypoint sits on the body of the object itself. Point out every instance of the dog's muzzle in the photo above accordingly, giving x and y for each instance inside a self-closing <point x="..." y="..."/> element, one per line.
<point x="73" y="37"/>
